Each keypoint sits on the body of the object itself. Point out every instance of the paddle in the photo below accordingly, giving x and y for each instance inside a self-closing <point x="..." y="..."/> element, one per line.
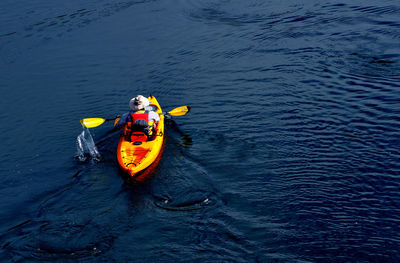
<point x="180" y="111"/>
<point x="94" y="122"/>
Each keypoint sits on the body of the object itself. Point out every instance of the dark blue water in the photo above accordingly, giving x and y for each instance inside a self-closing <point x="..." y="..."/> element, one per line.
<point x="291" y="152"/>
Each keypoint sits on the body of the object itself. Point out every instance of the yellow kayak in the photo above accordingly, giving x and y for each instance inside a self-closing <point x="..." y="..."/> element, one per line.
<point x="139" y="156"/>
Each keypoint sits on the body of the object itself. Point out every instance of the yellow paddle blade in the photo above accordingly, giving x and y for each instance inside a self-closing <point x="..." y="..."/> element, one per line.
<point x="180" y="111"/>
<point x="92" y="122"/>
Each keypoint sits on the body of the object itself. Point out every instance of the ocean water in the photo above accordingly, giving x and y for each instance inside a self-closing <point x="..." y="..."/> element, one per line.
<point x="291" y="152"/>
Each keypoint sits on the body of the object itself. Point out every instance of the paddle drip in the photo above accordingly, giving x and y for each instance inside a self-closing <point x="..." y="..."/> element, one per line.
<point x="86" y="147"/>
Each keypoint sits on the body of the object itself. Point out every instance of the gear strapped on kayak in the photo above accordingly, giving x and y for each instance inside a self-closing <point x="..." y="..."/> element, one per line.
<point x="140" y="131"/>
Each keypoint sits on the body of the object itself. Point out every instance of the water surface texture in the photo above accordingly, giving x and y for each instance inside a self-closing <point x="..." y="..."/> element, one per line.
<point x="291" y="152"/>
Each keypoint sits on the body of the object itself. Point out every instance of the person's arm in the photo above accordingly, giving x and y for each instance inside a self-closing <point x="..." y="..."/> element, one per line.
<point x="122" y="121"/>
<point x="154" y="116"/>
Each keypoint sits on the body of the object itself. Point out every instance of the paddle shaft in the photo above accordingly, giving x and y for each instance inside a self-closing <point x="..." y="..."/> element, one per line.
<point x="94" y="122"/>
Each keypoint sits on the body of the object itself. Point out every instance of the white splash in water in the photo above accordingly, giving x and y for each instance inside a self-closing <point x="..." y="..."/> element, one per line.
<point x="86" y="147"/>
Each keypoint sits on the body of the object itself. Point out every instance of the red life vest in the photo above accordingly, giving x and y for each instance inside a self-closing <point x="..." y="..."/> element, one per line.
<point x="140" y="116"/>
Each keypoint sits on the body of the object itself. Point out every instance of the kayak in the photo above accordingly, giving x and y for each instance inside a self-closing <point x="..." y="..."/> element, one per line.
<point x="138" y="155"/>
<point x="139" y="152"/>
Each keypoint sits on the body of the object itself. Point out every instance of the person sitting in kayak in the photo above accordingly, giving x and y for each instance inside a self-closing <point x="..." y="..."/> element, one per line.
<point x="139" y="119"/>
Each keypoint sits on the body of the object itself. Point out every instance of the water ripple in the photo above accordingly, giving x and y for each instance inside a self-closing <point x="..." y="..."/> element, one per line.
<point x="290" y="153"/>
